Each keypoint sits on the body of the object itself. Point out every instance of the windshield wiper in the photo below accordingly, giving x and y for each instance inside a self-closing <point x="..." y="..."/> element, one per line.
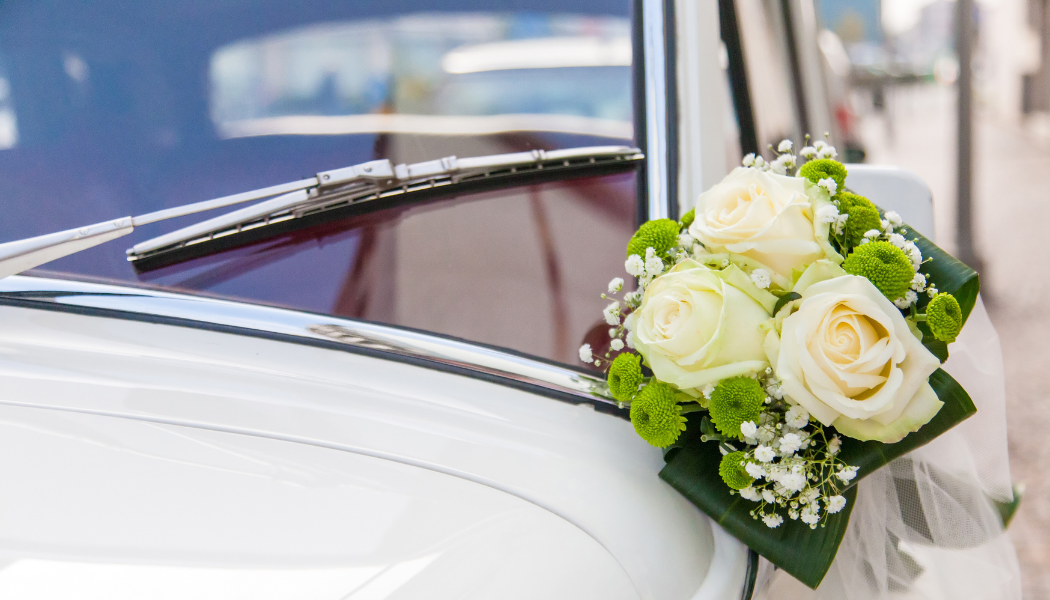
<point x="327" y="191"/>
<point x="331" y="194"/>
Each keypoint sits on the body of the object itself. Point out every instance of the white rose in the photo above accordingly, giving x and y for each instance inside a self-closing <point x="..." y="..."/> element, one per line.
<point x="698" y="325"/>
<point x="765" y="217"/>
<point x="849" y="358"/>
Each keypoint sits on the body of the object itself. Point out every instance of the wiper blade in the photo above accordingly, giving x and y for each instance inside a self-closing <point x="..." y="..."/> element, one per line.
<point x="366" y="182"/>
<point x="329" y="189"/>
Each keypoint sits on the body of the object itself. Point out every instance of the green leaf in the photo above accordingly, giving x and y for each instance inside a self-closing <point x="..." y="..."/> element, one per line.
<point x="805" y="553"/>
<point x="788" y="297"/>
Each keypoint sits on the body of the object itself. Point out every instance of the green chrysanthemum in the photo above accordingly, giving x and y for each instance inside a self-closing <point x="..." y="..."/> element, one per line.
<point x="884" y="264"/>
<point x="661" y="235"/>
<point x="733" y="471"/>
<point x="688" y="218"/>
<point x="863" y="216"/>
<point x="822" y="168"/>
<point x="625" y="375"/>
<point x="656" y="415"/>
<point x="735" y="401"/>
<point x="944" y="317"/>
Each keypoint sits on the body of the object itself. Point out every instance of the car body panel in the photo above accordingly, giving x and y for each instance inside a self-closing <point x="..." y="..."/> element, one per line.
<point x="587" y="468"/>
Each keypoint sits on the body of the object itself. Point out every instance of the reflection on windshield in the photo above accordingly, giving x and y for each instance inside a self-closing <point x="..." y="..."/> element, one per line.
<point x="446" y="74"/>
<point x="113" y="108"/>
<point x="515" y="268"/>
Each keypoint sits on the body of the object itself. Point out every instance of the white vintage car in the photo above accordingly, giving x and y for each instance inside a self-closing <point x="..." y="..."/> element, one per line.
<point x="361" y="384"/>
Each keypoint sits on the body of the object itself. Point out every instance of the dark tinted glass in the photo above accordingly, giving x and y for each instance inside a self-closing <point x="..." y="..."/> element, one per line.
<point x="111" y="108"/>
<point x="522" y="268"/>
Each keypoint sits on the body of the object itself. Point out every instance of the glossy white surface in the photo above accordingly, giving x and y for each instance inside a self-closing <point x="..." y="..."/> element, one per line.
<point x="113" y="508"/>
<point x="176" y="448"/>
<point x="893" y="188"/>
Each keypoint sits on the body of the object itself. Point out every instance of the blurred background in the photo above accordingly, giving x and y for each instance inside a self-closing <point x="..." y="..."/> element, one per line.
<point x="903" y="71"/>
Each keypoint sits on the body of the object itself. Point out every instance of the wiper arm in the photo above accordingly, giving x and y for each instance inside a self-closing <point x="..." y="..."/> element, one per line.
<point x="327" y="190"/>
<point x="366" y="182"/>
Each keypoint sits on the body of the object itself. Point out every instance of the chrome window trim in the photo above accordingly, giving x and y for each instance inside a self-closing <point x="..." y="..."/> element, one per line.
<point x="420" y="348"/>
<point x="657" y="142"/>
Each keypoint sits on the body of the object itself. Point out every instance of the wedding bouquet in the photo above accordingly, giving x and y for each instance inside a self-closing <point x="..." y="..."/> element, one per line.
<point x="784" y="341"/>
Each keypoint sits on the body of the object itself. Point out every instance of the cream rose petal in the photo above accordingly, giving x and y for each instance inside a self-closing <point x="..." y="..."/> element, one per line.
<point x="830" y="362"/>
<point x="697" y="325"/>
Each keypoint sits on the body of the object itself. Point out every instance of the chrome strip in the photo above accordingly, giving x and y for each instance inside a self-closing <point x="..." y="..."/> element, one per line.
<point x="375" y="339"/>
<point x="655" y="107"/>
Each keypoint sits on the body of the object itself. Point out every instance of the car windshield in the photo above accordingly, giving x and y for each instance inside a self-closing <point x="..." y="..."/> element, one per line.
<point x="120" y="107"/>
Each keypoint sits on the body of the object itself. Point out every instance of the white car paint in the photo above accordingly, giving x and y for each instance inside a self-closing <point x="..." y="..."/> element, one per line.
<point x="134" y="454"/>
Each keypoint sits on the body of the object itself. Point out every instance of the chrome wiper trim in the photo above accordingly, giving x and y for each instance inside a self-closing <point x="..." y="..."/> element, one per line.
<point x="369" y="181"/>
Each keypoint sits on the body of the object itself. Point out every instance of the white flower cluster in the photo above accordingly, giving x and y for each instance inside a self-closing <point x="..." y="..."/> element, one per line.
<point x="892" y="232"/>
<point x="786" y="161"/>
<point x="795" y="466"/>
<point x="830" y="214"/>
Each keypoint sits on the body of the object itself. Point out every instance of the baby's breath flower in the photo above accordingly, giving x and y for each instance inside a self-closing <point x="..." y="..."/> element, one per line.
<point x="808" y="152"/>
<point x="585" y="353"/>
<point x="872" y="234"/>
<point x="793" y="482"/>
<point x="829" y="184"/>
<point x="749" y="493"/>
<point x="897" y="240"/>
<point x="761" y="279"/>
<point x="772" y="521"/>
<point x="834" y="445"/>
<point x="616" y="285"/>
<point x="784" y="146"/>
<point x="894" y="218"/>
<point x="846" y="474"/>
<point x="629" y="340"/>
<point x="835" y="504"/>
<point x="748" y="429"/>
<point x="635" y="265"/>
<point x="755" y="471"/>
<point x="918" y="283"/>
<point x="790" y="443"/>
<point x="749" y="160"/>
<point x="765" y="454"/>
<point x="827" y="152"/>
<point x="616" y="345"/>
<point x="653" y="265"/>
<point x="905" y="301"/>
<point x="760" y="162"/>
<point x="612" y="313"/>
<point x="810" y="515"/>
<point x="797" y="417"/>
<point x="768" y="495"/>
<point x="685" y="240"/>
<point x="828" y="213"/>
<point x="632" y="298"/>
